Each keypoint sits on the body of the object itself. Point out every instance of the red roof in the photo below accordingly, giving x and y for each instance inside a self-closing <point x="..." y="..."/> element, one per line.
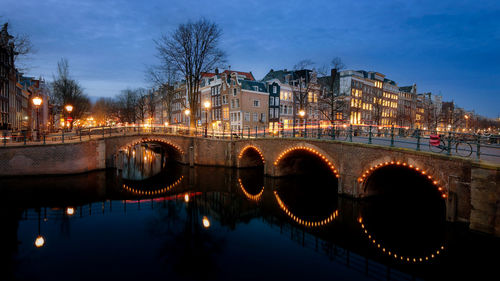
<point x="246" y="74"/>
<point x="207" y="74"/>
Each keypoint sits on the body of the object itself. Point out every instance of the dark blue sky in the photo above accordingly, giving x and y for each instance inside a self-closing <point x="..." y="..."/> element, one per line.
<point x="450" y="48"/>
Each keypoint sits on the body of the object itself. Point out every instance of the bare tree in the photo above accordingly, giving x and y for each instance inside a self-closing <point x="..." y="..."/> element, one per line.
<point x="301" y="86"/>
<point x="126" y="103"/>
<point x="331" y="101"/>
<point x="66" y="90"/>
<point x="191" y="50"/>
<point x="104" y="109"/>
<point x="22" y="47"/>
<point x="141" y="106"/>
<point x="163" y="78"/>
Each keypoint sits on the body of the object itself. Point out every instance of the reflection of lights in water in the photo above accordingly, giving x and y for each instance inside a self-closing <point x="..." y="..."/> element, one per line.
<point x="186" y="197"/>
<point x="255" y="148"/>
<point x="70" y="211"/>
<point x="153" y="192"/>
<point x="435" y="182"/>
<point x="39" y="241"/>
<point x="311" y="150"/>
<point x="304" y="222"/>
<point x="255" y="197"/>
<point x="206" y="222"/>
<point x="393" y="254"/>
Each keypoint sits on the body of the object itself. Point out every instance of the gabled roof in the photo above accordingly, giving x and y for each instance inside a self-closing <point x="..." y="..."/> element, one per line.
<point x="250" y="85"/>
<point x="248" y="75"/>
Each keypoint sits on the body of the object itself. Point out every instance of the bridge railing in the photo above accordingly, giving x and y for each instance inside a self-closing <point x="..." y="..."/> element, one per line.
<point x="464" y="144"/>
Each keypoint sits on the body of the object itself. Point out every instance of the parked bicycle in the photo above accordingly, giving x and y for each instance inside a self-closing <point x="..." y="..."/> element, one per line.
<point x="438" y="144"/>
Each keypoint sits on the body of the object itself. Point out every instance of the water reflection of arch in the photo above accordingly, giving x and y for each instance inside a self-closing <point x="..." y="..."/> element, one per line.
<point x="154" y="190"/>
<point x="364" y="178"/>
<point x="283" y="161"/>
<point x="303" y="222"/>
<point x="394" y="254"/>
<point x="173" y="149"/>
<point x="253" y="197"/>
<point x="250" y="156"/>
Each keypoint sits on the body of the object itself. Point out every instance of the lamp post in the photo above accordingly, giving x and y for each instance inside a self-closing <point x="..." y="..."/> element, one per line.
<point x="37" y="101"/>
<point x="302" y="113"/>
<point x="187" y="112"/>
<point x="206" y="104"/>
<point x="69" y="109"/>
<point x="466" y="119"/>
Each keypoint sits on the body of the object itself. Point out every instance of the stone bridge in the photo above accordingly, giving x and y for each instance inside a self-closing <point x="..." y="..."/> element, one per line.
<point x="470" y="189"/>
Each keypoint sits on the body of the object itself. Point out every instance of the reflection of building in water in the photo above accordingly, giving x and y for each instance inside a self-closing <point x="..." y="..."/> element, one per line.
<point x="143" y="161"/>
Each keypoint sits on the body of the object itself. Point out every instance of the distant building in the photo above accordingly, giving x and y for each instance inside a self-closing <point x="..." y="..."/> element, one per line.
<point x="7" y="78"/>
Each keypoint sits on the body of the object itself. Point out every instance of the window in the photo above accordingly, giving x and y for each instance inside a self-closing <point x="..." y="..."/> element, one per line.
<point x="232" y="103"/>
<point x="263" y="117"/>
<point x="256" y="88"/>
<point x="255" y="117"/>
<point x="235" y="91"/>
<point x="276" y="101"/>
<point x="275" y="89"/>
<point x="271" y="113"/>
<point x="271" y="101"/>
<point x="237" y="102"/>
<point x="256" y="103"/>
<point x="276" y="113"/>
<point x="247" y="116"/>
<point x="224" y="99"/>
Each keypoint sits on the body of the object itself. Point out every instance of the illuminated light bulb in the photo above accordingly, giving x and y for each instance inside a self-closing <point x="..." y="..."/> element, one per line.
<point x="414" y="260"/>
<point x="420" y="259"/>
<point x="392" y="162"/>
<point x="378" y="245"/>
<point x="39" y="241"/>
<point x="404" y="164"/>
<point x="429" y="177"/>
<point x="444" y="195"/>
<point x="70" y="211"/>
<point x="423" y="172"/>
<point x="369" y="236"/>
<point x="407" y="259"/>
<point x="440" y="188"/>
<point x="398" y="163"/>
<point x="432" y="256"/>
<point x="383" y="250"/>
<point x="395" y="256"/>
<point x="206" y="222"/>
<point x="389" y="253"/>
<point x="442" y="247"/>
<point x="411" y="166"/>
<point x="417" y="169"/>
<point x="434" y="182"/>
<point x="437" y="252"/>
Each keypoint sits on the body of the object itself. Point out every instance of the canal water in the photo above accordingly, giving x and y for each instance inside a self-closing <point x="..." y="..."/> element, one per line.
<point x="155" y="219"/>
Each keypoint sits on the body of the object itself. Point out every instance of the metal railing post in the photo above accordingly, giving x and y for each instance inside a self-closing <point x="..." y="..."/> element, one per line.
<point x="231" y="132"/>
<point x="448" y="150"/>
<point x="264" y="131"/>
<point x="4" y="138"/>
<point x="319" y="131"/>
<point x="248" y="132"/>
<point x="110" y="129"/>
<point x="392" y="136"/>
<point x="418" y="140"/>
<point x="293" y="129"/>
<point x="24" y="135"/>
<point x="370" y="135"/>
<point x="43" y="138"/>
<point x="63" y="135"/>
<point x="350" y="133"/>
<point x="80" y="133"/>
<point x="333" y="132"/>
<point x="305" y="128"/>
<point x="102" y="129"/>
<point x="256" y="131"/>
<point x="478" y="149"/>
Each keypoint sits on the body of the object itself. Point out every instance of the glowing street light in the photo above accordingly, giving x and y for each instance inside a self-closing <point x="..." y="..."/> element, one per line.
<point x="69" y="108"/>
<point x="70" y="211"/>
<point x="39" y="241"/>
<point x="186" y="198"/>
<point x="206" y="104"/>
<point x="302" y="113"/>
<point x="37" y="101"/>
<point x="206" y="222"/>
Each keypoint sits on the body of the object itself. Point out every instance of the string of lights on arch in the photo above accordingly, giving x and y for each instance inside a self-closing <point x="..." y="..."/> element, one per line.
<point x="395" y="255"/>
<point x="255" y="197"/>
<point x="127" y="147"/>
<point x="311" y="150"/>
<point x="153" y="192"/>
<point x="254" y="148"/>
<point x="300" y="221"/>
<point x="434" y="181"/>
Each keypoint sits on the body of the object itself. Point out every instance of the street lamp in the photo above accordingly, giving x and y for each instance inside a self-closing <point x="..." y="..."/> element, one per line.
<point x="206" y="222"/>
<point x="466" y="119"/>
<point x="302" y="113"/>
<point x="69" y="108"/>
<point x="37" y="101"/>
<point x="206" y="104"/>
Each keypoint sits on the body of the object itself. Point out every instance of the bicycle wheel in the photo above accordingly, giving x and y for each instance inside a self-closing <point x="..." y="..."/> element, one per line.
<point x="463" y="149"/>
<point x="437" y="148"/>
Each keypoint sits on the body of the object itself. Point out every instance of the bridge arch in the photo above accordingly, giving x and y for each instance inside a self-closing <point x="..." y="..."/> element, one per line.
<point x="365" y="178"/>
<point x="250" y="156"/>
<point x="174" y="150"/>
<point x="286" y="163"/>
